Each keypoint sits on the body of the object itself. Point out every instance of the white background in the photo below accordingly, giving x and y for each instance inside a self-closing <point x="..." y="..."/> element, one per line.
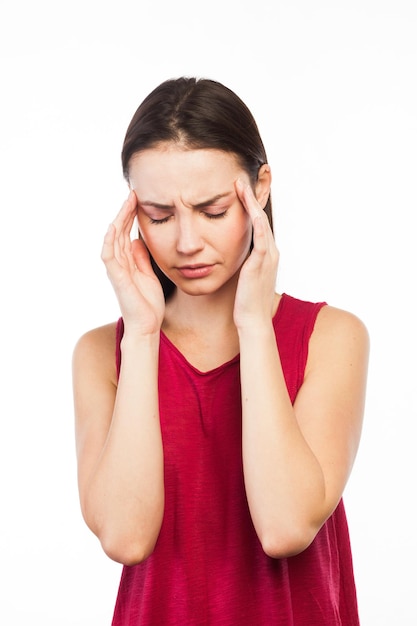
<point x="333" y="87"/>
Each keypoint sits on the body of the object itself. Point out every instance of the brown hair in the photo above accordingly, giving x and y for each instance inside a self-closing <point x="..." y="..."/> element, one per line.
<point x="198" y="114"/>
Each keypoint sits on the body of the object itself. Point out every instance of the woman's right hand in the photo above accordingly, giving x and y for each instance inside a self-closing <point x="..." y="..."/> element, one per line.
<point x="129" y="269"/>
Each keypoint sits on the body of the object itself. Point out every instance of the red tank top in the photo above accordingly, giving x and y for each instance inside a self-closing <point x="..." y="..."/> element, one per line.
<point x="208" y="567"/>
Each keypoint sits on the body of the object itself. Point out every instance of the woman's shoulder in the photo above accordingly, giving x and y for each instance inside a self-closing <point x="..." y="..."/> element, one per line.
<point x="96" y="349"/>
<point x="338" y="332"/>
<point x="328" y="318"/>
<point x="333" y="332"/>
<point x="332" y="319"/>
<point x="99" y="338"/>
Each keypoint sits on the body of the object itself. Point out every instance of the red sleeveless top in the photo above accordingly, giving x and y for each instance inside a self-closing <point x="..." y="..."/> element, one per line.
<point x="208" y="567"/>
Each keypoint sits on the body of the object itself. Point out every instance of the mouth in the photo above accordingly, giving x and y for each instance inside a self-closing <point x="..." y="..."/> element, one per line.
<point x="195" y="271"/>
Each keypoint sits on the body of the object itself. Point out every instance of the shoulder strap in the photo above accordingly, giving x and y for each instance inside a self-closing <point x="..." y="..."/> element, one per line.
<point x="294" y="324"/>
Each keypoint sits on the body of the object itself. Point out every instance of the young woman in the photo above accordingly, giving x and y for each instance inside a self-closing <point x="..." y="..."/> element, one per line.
<point x="217" y="421"/>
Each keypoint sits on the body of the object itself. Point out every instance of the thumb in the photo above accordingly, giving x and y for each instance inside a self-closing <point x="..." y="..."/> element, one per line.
<point x="141" y="257"/>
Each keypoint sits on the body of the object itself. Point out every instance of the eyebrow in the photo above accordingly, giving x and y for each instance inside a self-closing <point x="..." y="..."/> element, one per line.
<point x="199" y="205"/>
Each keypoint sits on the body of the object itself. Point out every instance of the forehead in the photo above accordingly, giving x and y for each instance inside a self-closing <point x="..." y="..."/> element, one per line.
<point x="169" y="169"/>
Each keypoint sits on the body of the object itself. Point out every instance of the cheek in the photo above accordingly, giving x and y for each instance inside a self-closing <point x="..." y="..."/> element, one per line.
<point x="152" y="242"/>
<point x="242" y="233"/>
<point x="146" y="236"/>
<point x="148" y="232"/>
<point x="157" y="241"/>
<point x="139" y="222"/>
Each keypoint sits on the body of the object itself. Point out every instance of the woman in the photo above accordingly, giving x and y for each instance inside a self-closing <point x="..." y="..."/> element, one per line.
<point x="217" y="421"/>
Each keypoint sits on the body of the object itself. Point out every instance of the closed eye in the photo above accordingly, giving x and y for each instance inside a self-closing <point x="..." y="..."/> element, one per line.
<point x="161" y="221"/>
<point x="215" y="216"/>
<point x="210" y="216"/>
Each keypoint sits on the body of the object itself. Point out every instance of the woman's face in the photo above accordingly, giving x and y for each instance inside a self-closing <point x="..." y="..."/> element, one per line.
<point x="190" y="216"/>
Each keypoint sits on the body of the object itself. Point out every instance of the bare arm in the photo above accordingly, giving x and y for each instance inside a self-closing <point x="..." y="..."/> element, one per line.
<point x="119" y="448"/>
<point x="297" y="459"/>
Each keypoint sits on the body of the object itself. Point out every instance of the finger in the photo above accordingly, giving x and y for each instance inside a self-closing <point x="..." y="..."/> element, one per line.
<point x="141" y="257"/>
<point x="263" y="238"/>
<point x="107" y="251"/>
<point x="260" y="238"/>
<point x="248" y="199"/>
<point x="117" y="246"/>
<point x="127" y="209"/>
<point x="123" y="225"/>
<point x="251" y="204"/>
<point x="108" y="257"/>
<point x="124" y="220"/>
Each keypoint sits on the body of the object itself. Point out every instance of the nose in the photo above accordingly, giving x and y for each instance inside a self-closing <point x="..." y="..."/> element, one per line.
<point x="189" y="239"/>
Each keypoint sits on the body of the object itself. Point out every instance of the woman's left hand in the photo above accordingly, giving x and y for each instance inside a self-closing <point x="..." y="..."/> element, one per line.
<point x="255" y="295"/>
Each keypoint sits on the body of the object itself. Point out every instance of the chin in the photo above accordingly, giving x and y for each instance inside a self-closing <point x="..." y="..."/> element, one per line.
<point x="196" y="290"/>
<point x="205" y="287"/>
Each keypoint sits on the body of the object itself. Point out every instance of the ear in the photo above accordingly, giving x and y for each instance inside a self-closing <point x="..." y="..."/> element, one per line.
<point x="263" y="185"/>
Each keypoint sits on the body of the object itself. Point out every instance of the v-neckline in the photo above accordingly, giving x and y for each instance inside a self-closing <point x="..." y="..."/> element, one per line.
<point x="234" y="359"/>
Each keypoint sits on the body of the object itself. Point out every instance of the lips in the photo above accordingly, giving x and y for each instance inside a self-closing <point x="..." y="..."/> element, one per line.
<point x="195" y="271"/>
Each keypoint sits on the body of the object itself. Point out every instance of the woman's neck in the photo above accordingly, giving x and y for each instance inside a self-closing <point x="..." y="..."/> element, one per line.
<point x="205" y="311"/>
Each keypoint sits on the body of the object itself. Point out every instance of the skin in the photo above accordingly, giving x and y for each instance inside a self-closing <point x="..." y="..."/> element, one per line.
<point x="296" y="459"/>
